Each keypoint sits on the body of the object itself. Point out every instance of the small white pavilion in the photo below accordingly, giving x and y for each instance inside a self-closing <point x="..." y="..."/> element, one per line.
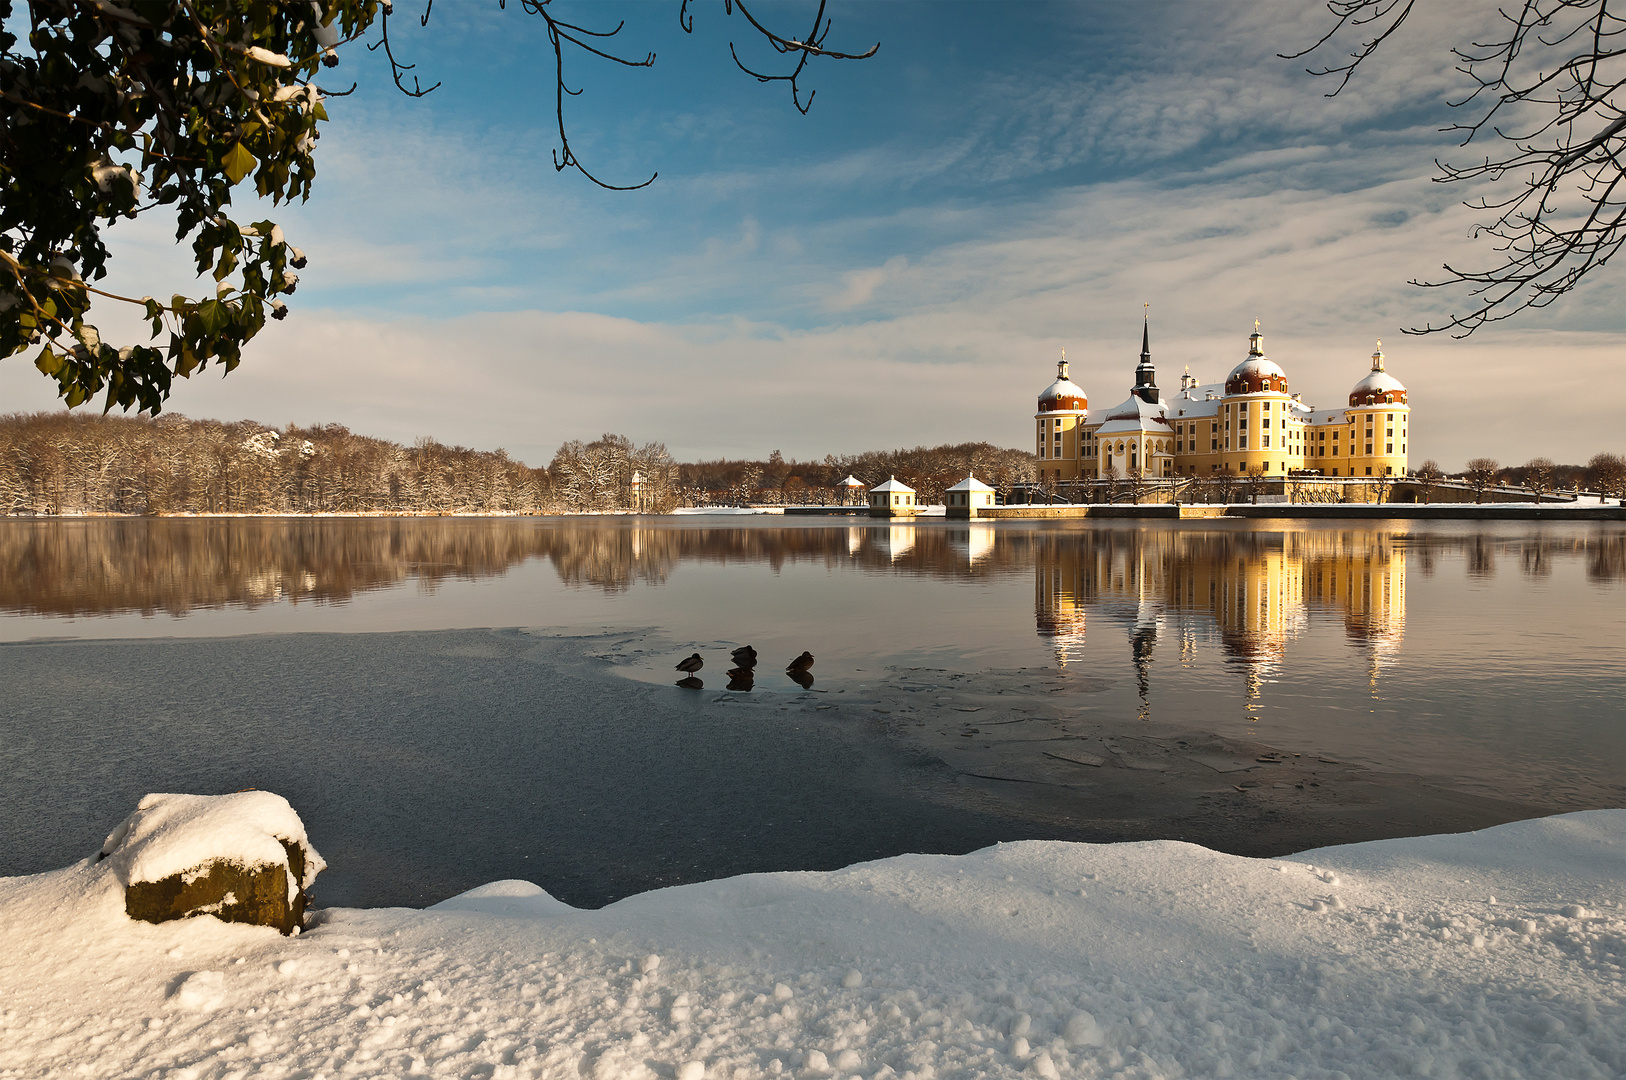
<point x="967" y="497"/>
<point x="851" y="488"/>
<point x="892" y="499"/>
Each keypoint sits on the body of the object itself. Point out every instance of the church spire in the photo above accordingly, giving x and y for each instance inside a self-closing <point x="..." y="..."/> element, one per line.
<point x="1061" y="367"/>
<point x="1377" y="357"/>
<point x="1146" y="374"/>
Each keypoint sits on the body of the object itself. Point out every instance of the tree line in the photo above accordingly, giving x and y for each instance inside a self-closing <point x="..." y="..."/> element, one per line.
<point x="1604" y="474"/>
<point x="930" y="470"/>
<point x="65" y="464"/>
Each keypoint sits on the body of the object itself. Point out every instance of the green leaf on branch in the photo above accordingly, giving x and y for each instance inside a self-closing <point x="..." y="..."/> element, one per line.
<point x="238" y="163"/>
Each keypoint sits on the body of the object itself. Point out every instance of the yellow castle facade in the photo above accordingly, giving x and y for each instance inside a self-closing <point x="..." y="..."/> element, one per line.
<point x="1250" y="423"/>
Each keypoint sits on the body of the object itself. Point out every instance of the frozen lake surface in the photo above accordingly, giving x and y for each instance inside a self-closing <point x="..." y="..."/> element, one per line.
<point x="451" y="702"/>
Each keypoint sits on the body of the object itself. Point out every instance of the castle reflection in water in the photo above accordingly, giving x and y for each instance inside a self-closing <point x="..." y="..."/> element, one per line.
<point x="1168" y="589"/>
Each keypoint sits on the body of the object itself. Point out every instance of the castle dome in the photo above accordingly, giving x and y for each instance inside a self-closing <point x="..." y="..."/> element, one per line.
<point x="1379" y="387"/>
<point x="1258" y="373"/>
<point x="1063" y="395"/>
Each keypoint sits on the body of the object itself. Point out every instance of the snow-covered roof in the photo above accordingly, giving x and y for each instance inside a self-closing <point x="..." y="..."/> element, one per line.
<point x="1377" y="382"/>
<point x="1202" y="400"/>
<point x="970" y="483"/>
<point x="1135" y="415"/>
<point x="1062" y="388"/>
<point x="852" y="481"/>
<point x="1258" y="365"/>
<point x="892" y="484"/>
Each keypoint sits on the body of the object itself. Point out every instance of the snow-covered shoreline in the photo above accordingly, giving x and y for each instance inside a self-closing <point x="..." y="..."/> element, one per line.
<point x="1486" y="954"/>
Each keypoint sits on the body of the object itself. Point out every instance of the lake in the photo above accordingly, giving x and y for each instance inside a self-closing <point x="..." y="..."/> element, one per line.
<point x="453" y="701"/>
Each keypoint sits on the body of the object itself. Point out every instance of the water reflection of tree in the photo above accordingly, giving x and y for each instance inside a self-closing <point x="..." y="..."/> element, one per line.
<point x="146" y="565"/>
<point x="1252" y="587"/>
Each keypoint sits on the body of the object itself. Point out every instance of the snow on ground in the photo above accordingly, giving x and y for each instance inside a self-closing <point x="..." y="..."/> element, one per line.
<point x="1489" y="954"/>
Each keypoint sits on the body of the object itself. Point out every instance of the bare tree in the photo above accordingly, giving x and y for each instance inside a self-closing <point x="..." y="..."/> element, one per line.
<point x="1428" y="478"/>
<point x="1547" y="87"/>
<point x="1481" y="475"/>
<point x="1608" y="473"/>
<point x="1256" y="483"/>
<point x="1112" y="483"/>
<point x="1538" y="476"/>
<point x="1383" y="485"/>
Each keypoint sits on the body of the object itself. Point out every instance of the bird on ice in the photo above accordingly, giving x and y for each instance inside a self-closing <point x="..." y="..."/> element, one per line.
<point x="692" y="664"/>
<point x="801" y="663"/>
<point x="744" y="656"/>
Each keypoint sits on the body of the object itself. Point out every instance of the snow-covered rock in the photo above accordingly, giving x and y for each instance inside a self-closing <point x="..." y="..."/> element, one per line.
<point x="241" y="858"/>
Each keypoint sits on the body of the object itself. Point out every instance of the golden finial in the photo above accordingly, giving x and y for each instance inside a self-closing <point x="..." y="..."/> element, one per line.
<point x="1256" y="326"/>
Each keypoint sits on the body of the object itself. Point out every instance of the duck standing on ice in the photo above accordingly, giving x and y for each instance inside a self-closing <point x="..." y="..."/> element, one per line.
<point x="691" y="665"/>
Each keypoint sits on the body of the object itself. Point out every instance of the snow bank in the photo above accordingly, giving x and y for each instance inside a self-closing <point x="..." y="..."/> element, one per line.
<point x="728" y="510"/>
<point x="171" y="834"/>
<point x="1489" y="954"/>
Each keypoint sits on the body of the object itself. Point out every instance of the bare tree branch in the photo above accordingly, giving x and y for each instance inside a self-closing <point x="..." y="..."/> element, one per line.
<point x="1550" y="88"/>
<point x="561" y="32"/>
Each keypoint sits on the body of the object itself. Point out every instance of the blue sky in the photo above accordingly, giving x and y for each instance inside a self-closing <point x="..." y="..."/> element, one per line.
<point x="900" y="266"/>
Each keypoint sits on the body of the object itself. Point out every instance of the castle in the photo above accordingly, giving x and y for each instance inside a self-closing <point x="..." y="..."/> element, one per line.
<point x="1248" y="424"/>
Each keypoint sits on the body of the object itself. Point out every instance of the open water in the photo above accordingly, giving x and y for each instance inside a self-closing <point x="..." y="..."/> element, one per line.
<point x="453" y="701"/>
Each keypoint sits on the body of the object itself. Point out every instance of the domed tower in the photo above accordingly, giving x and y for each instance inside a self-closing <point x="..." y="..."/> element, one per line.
<point x="1377" y="421"/>
<point x="1261" y="429"/>
<point x="1061" y="442"/>
<point x="1379" y="387"/>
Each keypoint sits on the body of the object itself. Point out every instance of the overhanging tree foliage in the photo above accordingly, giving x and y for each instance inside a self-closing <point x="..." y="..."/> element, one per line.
<point x="110" y="110"/>
<point x="1549" y="95"/>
